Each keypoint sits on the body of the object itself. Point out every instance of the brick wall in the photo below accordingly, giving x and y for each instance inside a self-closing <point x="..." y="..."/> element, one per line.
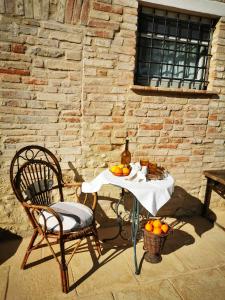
<point x="66" y="71"/>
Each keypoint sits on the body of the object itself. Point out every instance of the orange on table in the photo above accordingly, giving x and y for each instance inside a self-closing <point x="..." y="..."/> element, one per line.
<point x="121" y="166"/>
<point x="164" y="228"/>
<point x="148" y="227"/>
<point x="113" y="168"/>
<point x="126" y="171"/>
<point x="157" y="223"/>
<point x="118" y="171"/>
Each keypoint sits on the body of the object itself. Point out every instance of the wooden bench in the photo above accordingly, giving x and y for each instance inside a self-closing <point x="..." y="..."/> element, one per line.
<point x="215" y="182"/>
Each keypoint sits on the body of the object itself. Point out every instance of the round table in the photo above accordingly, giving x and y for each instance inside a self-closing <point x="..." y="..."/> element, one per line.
<point x="152" y="195"/>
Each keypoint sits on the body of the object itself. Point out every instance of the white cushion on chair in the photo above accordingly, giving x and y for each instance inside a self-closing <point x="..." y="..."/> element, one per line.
<point x="74" y="216"/>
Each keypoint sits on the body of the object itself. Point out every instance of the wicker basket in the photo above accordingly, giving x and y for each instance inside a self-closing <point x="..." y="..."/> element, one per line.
<point x="154" y="244"/>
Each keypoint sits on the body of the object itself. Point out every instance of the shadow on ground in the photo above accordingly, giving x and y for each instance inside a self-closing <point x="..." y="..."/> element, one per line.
<point x="9" y="244"/>
<point x="185" y="207"/>
<point x="176" y="240"/>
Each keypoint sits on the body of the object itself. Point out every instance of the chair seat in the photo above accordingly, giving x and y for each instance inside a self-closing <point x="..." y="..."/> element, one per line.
<point x="74" y="216"/>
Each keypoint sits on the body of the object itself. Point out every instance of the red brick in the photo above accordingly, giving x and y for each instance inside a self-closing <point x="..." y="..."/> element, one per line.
<point x="212" y="118"/>
<point x="103" y="24"/>
<point x="71" y="113"/>
<point x="71" y="120"/>
<point x="170" y="140"/>
<point x="102" y="72"/>
<point x="108" y="8"/>
<point x="15" y="71"/>
<point x="150" y="146"/>
<point x="167" y="146"/>
<point x="211" y="130"/>
<point x="85" y="12"/>
<point x="169" y="121"/>
<point x="118" y="119"/>
<point x="151" y="126"/>
<point x="198" y="152"/>
<point x="181" y="159"/>
<point x="18" y="48"/>
<point x="69" y="11"/>
<point x="107" y="126"/>
<point x="76" y="11"/>
<point x="34" y="81"/>
<point x="103" y="148"/>
<point x="101" y="33"/>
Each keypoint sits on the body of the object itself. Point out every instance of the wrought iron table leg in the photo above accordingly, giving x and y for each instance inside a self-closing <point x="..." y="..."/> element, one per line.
<point x="134" y="231"/>
<point x="119" y="219"/>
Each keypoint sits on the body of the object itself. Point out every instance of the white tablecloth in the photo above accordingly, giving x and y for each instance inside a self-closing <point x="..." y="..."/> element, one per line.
<point x="151" y="194"/>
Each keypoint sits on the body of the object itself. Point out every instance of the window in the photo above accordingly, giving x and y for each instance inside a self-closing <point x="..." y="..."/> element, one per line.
<point x="173" y="49"/>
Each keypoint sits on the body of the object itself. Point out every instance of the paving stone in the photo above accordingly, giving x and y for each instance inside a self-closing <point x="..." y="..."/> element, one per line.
<point x="168" y="267"/>
<point x="201" y="285"/>
<point x="109" y="272"/>
<point x="105" y="296"/>
<point x="222" y="269"/>
<point x="159" y="290"/>
<point x="4" y="272"/>
<point x="203" y="252"/>
<point x="42" y="278"/>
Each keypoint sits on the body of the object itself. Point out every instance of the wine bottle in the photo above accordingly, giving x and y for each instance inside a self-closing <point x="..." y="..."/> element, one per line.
<point x="126" y="156"/>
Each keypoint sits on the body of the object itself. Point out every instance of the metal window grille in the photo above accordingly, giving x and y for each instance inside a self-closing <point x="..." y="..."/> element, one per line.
<point x="173" y="49"/>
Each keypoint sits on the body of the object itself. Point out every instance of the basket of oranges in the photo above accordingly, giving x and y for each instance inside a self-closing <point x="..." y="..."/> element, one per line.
<point x="155" y="234"/>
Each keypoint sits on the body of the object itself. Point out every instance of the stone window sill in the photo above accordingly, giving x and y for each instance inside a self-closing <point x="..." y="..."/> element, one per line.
<point x="162" y="90"/>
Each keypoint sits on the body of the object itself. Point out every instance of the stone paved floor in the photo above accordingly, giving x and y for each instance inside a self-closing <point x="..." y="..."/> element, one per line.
<point x="192" y="267"/>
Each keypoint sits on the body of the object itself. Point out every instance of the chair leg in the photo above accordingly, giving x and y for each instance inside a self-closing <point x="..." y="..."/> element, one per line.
<point x="33" y="238"/>
<point x="64" y="279"/>
<point x="64" y="270"/>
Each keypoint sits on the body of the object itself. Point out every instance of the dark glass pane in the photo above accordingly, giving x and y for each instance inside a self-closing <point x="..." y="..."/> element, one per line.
<point x="145" y="42"/>
<point x="159" y="25"/>
<point x="156" y="55"/>
<point x="144" y="54"/>
<point x="157" y="43"/>
<point x="142" y="80"/>
<point x="146" y="25"/>
<point x="205" y="33"/>
<point x="154" y="69"/>
<point x="143" y="69"/>
<point x="183" y="29"/>
<point x="194" y="31"/>
<point x="171" y="27"/>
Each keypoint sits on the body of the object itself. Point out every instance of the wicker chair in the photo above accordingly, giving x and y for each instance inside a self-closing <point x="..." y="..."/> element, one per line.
<point x="37" y="182"/>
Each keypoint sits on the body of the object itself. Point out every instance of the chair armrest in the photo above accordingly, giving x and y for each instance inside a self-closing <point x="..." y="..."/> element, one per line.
<point x="35" y="211"/>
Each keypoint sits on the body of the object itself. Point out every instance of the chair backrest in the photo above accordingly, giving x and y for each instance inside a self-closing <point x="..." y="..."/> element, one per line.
<point x="36" y="176"/>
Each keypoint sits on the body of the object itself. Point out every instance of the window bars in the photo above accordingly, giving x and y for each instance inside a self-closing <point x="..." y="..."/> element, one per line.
<point x="173" y="49"/>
